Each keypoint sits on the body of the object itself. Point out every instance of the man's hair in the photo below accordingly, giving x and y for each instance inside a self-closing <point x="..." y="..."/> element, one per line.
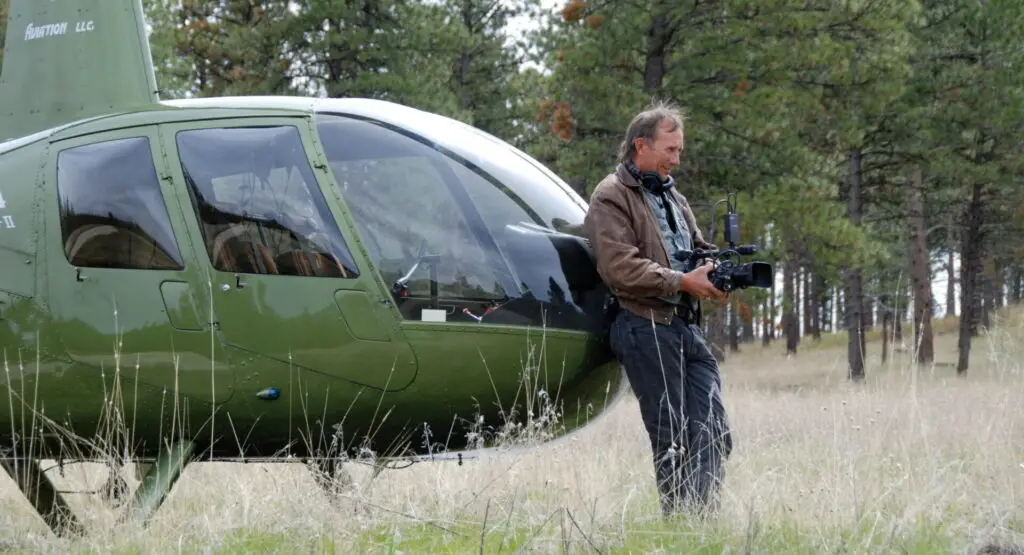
<point x="645" y="125"/>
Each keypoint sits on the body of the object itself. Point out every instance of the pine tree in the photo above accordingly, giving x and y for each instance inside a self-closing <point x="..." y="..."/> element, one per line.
<point x="219" y="47"/>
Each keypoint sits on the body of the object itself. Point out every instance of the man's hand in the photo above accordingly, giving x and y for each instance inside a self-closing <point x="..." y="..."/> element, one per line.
<point x="697" y="284"/>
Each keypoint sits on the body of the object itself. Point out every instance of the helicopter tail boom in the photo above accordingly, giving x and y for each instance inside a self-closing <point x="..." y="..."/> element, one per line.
<point x="64" y="61"/>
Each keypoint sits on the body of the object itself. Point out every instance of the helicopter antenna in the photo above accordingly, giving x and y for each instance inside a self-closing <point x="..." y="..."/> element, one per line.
<point x="68" y="60"/>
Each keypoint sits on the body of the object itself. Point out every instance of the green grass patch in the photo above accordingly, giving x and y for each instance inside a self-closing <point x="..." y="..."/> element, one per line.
<point x="271" y="542"/>
<point x="558" y="533"/>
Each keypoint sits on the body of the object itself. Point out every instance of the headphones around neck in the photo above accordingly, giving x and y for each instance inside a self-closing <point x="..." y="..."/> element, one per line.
<point x="651" y="180"/>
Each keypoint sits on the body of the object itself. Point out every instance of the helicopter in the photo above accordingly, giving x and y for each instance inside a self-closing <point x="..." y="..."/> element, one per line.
<point x="272" y="279"/>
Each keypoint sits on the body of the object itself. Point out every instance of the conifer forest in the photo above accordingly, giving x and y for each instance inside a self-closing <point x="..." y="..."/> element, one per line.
<point x="872" y="144"/>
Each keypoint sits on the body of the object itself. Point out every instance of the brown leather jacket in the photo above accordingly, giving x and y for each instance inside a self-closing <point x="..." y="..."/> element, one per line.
<point x="631" y="255"/>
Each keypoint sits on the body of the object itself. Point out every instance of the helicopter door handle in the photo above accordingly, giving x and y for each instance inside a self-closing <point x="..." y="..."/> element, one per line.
<point x="239" y="283"/>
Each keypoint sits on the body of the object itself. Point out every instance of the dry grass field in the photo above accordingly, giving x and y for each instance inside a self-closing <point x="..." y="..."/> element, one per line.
<point x="912" y="461"/>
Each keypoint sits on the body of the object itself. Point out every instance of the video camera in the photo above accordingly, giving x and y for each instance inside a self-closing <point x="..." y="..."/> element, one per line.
<point x="729" y="275"/>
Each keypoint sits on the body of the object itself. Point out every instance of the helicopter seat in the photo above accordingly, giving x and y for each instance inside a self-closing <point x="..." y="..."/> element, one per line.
<point x="217" y="247"/>
<point x="265" y="257"/>
<point x="82" y="236"/>
<point x="294" y="263"/>
<point x="234" y="254"/>
<point x="109" y="246"/>
<point x="235" y="250"/>
<point x="310" y="264"/>
<point x="329" y="265"/>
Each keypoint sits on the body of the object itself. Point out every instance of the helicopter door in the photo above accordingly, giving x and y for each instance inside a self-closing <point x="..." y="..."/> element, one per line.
<point x="287" y="287"/>
<point x="122" y="279"/>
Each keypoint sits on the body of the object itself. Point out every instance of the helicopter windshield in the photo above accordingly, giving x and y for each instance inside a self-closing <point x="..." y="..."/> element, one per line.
<point x="467" y="226"/>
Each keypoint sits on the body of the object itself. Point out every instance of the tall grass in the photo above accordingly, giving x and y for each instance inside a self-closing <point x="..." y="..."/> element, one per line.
<point x="914" y="460"/>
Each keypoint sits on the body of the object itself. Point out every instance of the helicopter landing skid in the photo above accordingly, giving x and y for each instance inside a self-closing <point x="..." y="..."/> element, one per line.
<point x="158" y="481"/>
<point x="44" y="497"/>
<point x="50" y="504"/>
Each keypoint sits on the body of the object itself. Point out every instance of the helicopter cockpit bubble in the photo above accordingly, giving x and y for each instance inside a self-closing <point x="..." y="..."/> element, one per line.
<point x="499" y="227"/>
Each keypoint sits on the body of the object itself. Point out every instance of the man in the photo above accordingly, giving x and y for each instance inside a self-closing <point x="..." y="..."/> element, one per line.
<point x="636" y="222"/>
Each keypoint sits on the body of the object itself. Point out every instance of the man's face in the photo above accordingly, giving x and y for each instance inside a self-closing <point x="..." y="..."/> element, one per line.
<point x="662" y="153"/>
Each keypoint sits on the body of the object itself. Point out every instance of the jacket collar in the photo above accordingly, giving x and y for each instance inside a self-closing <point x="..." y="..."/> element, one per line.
<point x="625" y="177"/>
<point x="628" y="180"/>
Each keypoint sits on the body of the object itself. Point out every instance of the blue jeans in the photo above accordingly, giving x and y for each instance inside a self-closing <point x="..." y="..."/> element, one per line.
<point x="675" y="379"/>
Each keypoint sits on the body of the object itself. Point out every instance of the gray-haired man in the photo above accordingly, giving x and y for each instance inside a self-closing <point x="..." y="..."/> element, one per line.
<point x="636" y="222"/>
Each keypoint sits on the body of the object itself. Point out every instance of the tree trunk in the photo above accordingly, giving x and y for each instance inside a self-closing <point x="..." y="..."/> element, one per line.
<point x="951" y="229"/>
<point x="734" y="324"/>
<point x="898" y="318"/>
<point x="970" y="268"/>
<point x="717" y="329"/>
<point x="798" y="298"/>
<point x="818" y="302"/>
<point x="747" y="317"/>
<point x="790" y="325"/>
<point x="805" y="290"/>
<point x="998" y="284"/>
<point x="987" y="291"/>
<point x="886" y="318"/>
<point x="920" y="276"/>
<point x="1016" y="281"/>
<point x="767" y="321"/>
<point x="828" y="312"/>
<point x="835" y="309"/>
<point x="840" y="297"/>
<point x="658" y="36"/>
<point x="773" y="308"/>
<point x="854" y="294"/>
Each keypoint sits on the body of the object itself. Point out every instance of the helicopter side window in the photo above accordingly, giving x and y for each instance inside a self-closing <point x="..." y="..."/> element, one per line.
<point x="260" y="207"/>
<point x="112" y="212"/>
<point x="409" y="199"/>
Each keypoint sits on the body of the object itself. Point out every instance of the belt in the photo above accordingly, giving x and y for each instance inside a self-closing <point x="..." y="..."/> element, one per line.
<point x="688" y="315"/>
